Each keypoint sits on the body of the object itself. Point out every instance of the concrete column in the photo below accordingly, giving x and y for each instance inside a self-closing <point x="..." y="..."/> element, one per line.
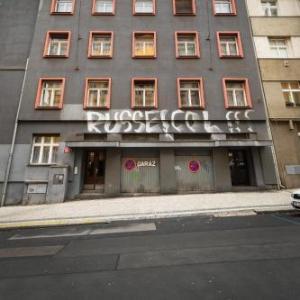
<point x="268" y="166"/>
<point x="113" y="172"/>
<point x="257" y="167"/>
<point x="221" y="168"/>
<point x="167" y="171"/>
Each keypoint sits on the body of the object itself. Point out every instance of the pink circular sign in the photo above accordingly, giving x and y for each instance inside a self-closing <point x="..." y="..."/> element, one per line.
<point x="130" y="165"/>
<point x="194" y="166"/>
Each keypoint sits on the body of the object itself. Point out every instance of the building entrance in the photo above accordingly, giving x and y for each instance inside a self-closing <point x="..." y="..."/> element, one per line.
<point x="239" y="167"/>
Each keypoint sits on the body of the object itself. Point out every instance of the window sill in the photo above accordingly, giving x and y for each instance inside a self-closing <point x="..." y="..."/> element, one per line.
<point x="185" y="14"/>
<point x="100" y="56"/>
<point x="144" y="57"/>
<point x="62" y="13"/>
<point x="225" y="14"/>
<point x="239" y="107"/>
<point x="56" y="56"/>
<point x="48" y="108"/>
<point x="192" y="107"/>
<point x="103" y="14"/>
<point x="231" y="56"/>
<point x="188" y="57"/>
<point x="143" y="107"/>
<point x="96" y="108"/>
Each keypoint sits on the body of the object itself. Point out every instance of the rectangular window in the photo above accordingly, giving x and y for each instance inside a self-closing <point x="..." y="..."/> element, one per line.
<point x="224" y="7"/>
<point x="57" y="44"/>
<point x="100" y="44"/>
<point x="269" y="7"/>
<point x="64" y="7"/>
<point x="187" y="45"/>
<point x="44" y="150"/>
<point x="291" y="93"/>
<point x="190" y="93"/>
<point x="144" y="44"/>
<point x="103" y="7"/>
<point x="97" y="93"/>
<point x="144" y="7"/>
<point x="50" y="93"/>
<point x="184" y="7"/>
<point x="229" y="44"/>
<point x="237" y="93"/>
<point x="279" y="47"/>
<point x="144" y="93"/>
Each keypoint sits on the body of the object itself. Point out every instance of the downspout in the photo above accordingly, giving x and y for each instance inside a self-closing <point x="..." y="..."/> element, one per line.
<point x="279" y="185"/>
<point x="12" y="148"/>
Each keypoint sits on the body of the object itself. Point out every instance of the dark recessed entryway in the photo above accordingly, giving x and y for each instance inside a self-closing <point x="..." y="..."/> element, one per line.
<point x="239" y="168"/>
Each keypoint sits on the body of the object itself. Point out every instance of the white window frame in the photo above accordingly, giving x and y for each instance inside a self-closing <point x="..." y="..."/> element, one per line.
<point x="189" y="92"/>
<point x="100" y="44"/>
<point x="234" y="94"/>
<point x="290" y="91"/>
<point x="50" y="92"/>
<point x="276" y="48"/>
<point x="99" y="92"/>
<point x="41" y="145"/>
<point x="64" y="6"/>
<point x="219" y="3"/>
<point x="106" y="5"/>
<point x="186" y="44"/>
<point x="143" y="9"/>
<point x="60" y="43"/>
<point x="144" y="90"/>
<point x="228" y="43"/>
<point x="268" y="6"/>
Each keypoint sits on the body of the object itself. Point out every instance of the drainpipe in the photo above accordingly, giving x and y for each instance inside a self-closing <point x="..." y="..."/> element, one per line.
<point x="12" y="148"/>
<point x="279" y="184"/>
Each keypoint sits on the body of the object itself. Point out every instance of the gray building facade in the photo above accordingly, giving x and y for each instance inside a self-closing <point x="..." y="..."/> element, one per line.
<point x="75" y="150"/>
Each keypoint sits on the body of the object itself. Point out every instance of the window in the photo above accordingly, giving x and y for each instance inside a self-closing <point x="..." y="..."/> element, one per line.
<point x="57" y="44"/>
<point x="103" y="7"/>
<point x="184" y="7"/>
<point x="291" y="93"/>
<point x="44" y="150"/>
<point x="144" y="93"/>
<point x="269" y="7"/>
<point x="50" y="93"/>
<point x="144" y="44"/>
<point x="230" y="45"/>
<point x="64" y="7"/>
<point x="279" y="47"/>
<point x="100" y="44"/>
<point x="144" y="7"/>
<point x="224" y="7"/>
<point x="190" y="93"/>
<point x="237" y="93"/>
<point x="187" y="45"/>
<point x="97" y="93"/>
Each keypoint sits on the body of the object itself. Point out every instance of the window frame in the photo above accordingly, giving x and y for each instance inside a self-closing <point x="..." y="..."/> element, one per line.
<point x="144" y="79"/>
<point x="269" y="7"/>
<point x="197" y="39"/>
<point x="54" y="12"/>
<point x="41" y="146"/>
<point x="95" y="13"/>
<point x="233" y="10"/>
<point x="85" y="100"/>
<point x="37" y="105"/>
<point x="290" y="91"/>
<point x="48" y="40"/>
<point x="237" y="35"/>
<point x="143" y="14"/>
<point x="133" y="45"/>
<point x="90" y="50"/>
<point x="193" y="13"/>
<point x="200" y="92"/>
<point x="249" y="103"/>
<point x="287" y="46"/>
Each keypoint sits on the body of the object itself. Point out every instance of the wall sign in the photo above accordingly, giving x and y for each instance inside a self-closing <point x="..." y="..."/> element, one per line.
<point x="194" y="166"/>
<point x="146" y="163"/>
<point x="130" y="165"/>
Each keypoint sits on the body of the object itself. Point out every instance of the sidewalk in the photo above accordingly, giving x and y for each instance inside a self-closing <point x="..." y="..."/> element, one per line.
<point x="96" y="211"/>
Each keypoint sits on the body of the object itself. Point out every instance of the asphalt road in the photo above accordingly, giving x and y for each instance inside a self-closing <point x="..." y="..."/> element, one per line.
<point x="248" y="257"/>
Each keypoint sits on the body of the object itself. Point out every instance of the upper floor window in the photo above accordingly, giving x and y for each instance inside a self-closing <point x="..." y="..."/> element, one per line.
<point x="144" y="93"/>
<point x="144" y="44"/>
<point x="190" y="93"/>
<point x="184" y="7"/>
<point x="279" y="47"/>
<point x="269" y="7"/>
<point x="224" y="7"/>
<point x="187" y="45"/>
<point x="44" y="150"/>
<point x="97" y="93"/>
<point x="144" y="7"/>
<point x="62" y="6"/>
<point x="104" y="7"/>
<point x="291" y="93"/>
<point x="230" y="44"/>
<point x="100" y="44"/>
<point x="57" y="44"/>
<point x="50" y="93"/>
<point x="237" y="93"/>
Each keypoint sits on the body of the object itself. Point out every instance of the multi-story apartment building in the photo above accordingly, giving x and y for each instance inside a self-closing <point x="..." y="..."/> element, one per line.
<point x="276" y="32"/>
<point x="142" y="96"/>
